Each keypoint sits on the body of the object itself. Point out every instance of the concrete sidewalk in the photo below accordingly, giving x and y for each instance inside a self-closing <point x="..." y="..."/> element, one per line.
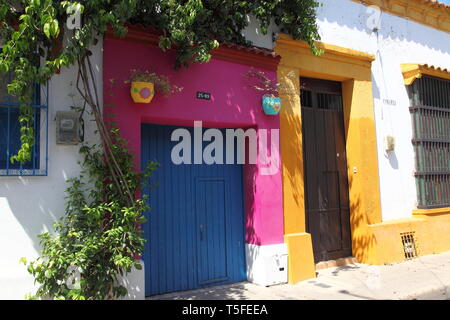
<point x="422" y="278"/>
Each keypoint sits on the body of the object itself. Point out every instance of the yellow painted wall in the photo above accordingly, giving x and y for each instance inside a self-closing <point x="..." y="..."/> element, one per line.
<point x="432" y="235"/>
<point x="292" y="153"/>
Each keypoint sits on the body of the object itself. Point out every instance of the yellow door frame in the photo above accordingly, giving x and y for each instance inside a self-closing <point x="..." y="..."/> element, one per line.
<point x="353" y="69"/>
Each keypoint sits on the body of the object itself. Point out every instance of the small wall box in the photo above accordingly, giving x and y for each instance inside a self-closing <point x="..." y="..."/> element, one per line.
<point x="67" y="125"/>
<point x="389" y="143"/>
<point x="276" y="269"/>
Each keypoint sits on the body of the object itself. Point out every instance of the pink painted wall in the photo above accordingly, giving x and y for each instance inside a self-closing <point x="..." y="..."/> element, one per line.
<point x="232" y="106"/>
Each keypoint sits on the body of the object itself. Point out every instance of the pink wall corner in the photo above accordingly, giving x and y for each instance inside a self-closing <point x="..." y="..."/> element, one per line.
<point x="232" y="106"/>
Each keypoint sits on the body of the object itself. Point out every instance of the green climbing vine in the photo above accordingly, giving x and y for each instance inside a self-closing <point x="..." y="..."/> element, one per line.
<point x="32" y="31"/>
<point x="36" y="45"/>
<point x="99" y="239"/>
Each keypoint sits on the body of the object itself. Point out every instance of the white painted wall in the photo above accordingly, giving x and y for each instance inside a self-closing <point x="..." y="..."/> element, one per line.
<point x="344" y="23"/>
<point x="254" y="34"/>
<point x="30" y="205"/>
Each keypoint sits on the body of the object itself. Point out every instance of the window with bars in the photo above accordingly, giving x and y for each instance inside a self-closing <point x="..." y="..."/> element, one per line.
<point x="10" y="132"/>
<point x="430" y="111"/>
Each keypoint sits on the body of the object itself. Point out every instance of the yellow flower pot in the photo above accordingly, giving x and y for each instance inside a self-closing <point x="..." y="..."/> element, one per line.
<point x="142" y="92"/>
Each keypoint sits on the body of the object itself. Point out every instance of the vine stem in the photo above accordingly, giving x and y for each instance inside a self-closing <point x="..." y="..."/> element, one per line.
<point x="89" y="93"/>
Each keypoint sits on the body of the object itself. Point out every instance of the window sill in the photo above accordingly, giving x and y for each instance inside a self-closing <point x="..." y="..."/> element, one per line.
<point x="430" y="212"/>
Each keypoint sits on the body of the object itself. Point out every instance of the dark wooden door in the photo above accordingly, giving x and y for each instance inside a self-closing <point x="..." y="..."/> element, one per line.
<point x="325" y="167"/>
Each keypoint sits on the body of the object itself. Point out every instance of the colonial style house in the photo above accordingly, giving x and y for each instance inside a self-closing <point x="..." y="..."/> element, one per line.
<point x="362" y="171"/>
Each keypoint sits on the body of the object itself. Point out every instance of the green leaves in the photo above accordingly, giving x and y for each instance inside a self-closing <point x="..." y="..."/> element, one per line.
<point x="51" y="29"/>
<point x="193" y="26"/>
<point x="99" y="237"/>
<point x="165" y="43"/>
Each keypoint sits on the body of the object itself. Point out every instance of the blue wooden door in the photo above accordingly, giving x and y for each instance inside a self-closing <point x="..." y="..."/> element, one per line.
<point x="195" y="228"/>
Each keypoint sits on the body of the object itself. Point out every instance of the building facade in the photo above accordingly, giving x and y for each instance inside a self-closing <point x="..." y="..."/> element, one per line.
<point x="211" y="222"/>
<point x="362" y="168"/>
<point x="397" y="205"/>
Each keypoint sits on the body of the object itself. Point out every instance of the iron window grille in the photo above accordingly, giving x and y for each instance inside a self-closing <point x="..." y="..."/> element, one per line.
<point x="430" y="111"/>
<point x="10" y="131"/>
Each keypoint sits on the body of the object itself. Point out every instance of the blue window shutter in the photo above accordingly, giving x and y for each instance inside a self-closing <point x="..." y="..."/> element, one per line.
<point x="11" y="139"/>
<point x="10" y="133"/>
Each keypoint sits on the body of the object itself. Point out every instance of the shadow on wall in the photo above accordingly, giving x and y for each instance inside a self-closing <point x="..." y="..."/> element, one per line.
<point x="252" y="253"/>
<point x="35" y="204"/>
<point x="392" y="27"/>
<point x="250" y="172"/>
<point x="291" y="148"/>
<point x="363" y="241"/>
<point x="293" y="172"/>
<point x="375" y="89"/>
<point x="363" y="209"/>
<point x="392" y="157"/>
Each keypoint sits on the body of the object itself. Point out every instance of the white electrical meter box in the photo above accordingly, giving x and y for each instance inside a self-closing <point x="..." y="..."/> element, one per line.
<point x="267" y="265"/>
<point x="276" y="272"/>
<point x="67" y="127"/>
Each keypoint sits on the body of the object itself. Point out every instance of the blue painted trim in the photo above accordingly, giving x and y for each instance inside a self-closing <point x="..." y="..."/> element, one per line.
<point x="37" y="107"/>
<point x="9" y="104"/>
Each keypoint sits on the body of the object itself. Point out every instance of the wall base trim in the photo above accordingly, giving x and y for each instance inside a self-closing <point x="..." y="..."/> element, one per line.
<point x="382" y="242"/>
<point x="301" y="264"/>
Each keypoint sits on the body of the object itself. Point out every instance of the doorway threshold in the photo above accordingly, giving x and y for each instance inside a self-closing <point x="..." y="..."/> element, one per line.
<point x="336" y="263"/>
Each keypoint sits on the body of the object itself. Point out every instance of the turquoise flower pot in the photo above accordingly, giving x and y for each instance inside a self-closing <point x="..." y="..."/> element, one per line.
<point x="271" y="105"/>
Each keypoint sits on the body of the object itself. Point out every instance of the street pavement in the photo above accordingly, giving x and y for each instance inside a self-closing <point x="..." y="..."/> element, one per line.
<point x="424" y="278"/>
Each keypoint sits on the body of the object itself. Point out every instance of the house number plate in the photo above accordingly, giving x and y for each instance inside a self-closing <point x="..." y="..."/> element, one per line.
<point x="204" y="95"/>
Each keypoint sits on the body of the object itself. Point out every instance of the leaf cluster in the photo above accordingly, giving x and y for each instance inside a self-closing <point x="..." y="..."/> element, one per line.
<point x="36" y="45"/>
<point x="99" y="239"/>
